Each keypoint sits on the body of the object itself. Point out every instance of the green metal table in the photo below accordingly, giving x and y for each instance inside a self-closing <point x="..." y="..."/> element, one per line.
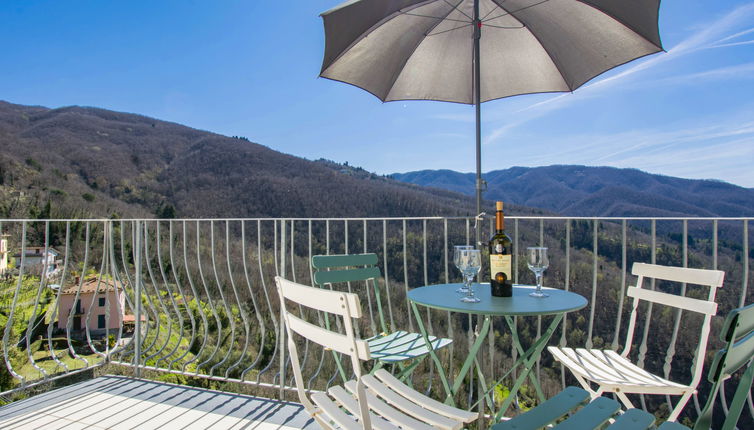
<point x="445" y="297"/>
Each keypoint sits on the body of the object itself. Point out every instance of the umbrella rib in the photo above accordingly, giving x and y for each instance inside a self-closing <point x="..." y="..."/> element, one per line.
<point x="447" y="31"/>
<point x="504" y="27"/>
<point x="459" y="10"/>
<point x="497" y="6"/>
<point x="549" y="54"/>
<point x="511" y="13"/>
<point x="436" y="17"/>
<point x="439" y="21"/>
<point x="363" y="35"/>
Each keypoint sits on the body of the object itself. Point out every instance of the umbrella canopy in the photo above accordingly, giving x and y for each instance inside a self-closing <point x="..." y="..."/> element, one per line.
<point x="471" y="51"/>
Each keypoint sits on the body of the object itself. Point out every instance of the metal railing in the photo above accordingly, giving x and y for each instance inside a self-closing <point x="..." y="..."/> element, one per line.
<point x="197" y="297"/>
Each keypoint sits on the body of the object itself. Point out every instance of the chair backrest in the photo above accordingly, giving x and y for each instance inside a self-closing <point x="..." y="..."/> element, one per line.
<point x="710" y="278"/>
<point x="738" y="335"/>
<point x="342" y="304"/>
<point x="347" y="268"/>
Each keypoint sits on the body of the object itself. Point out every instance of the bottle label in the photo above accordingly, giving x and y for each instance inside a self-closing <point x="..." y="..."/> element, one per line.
<point x="500" y="263"/>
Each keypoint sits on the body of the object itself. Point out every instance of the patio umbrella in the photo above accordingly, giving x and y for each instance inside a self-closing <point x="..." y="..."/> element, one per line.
<point x="472" y="51"/>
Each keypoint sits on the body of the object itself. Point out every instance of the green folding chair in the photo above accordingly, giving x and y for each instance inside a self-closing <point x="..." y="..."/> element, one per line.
<point x="386" y="345"/>
<point x="573" y="407"/>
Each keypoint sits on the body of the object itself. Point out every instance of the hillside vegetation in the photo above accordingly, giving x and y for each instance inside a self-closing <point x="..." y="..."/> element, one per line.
<point x="88" y="162"/>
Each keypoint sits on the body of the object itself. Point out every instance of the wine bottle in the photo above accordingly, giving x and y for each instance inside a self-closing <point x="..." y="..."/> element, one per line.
<point x="500" y="247"/>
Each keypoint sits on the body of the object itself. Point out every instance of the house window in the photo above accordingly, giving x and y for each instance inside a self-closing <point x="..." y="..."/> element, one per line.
<point x="102" y="301"/>
<point x="100" y="321"/>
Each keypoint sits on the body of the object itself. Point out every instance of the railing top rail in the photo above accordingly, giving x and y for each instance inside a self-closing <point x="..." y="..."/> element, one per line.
<point x="520" y="217"/>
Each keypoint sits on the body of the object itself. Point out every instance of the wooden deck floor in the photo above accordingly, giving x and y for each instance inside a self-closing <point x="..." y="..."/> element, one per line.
<point x="116" y="402"/>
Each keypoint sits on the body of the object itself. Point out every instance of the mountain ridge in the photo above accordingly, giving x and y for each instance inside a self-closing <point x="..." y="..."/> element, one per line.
<point x="598" y="191"/>
<point x="89" y="162"/>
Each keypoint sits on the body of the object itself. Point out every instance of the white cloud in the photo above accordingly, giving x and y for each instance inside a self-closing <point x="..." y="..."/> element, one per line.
<point x="709" y="37"/>
<point x="713" y="147"/>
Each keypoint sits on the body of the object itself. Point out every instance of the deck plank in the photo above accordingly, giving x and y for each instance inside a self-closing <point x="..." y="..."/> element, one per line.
<point x="122" y="403"/>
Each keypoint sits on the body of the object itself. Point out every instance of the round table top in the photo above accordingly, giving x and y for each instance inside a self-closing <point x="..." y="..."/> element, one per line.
<point x="445" y="297"/>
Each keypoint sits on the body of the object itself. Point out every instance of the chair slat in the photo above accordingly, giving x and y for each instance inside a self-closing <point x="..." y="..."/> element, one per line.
<point x="401" y="345"/>
<point x="327" y="338"/>
<point x="712" y="278"/>
<point x="395" y="415"/>
<point x="682" y="302"/>
<point x="332" y="412"/>
<point x="727" y="361"/>
<point x="591" y="416"/>
<point x="433" y="405"/>
<point x="634" y="419"/>
<point x="349" y="402"/>
<point x="548" y="412"/>
<point x="346" y="275"/>
<point x="326" y="261"/>
<point x="738" y="323"/>
<point x="323" y="300"/>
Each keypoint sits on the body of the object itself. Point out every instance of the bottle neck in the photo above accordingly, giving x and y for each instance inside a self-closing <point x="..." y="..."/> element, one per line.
<point x="499" y="221"/>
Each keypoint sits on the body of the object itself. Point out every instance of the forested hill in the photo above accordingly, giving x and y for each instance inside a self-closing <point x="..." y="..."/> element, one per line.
<point x="598" y="191"/>
<point x="88" y="162"/>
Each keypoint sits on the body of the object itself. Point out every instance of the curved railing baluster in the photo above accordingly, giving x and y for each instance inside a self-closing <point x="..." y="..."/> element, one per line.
<point x="139" y="255"/>
<point x="169" y="292"/>
<point x="157" y="296"/>
<point x="102" y="270"/>
<point x="31" y="326"/>
<point x="218" y="321"/>
<point x="320" y="319"/>
<point x="245" y="320"/>
<point x="643" y="346"/>
<point x="184" y="298"/>
<point x="593" y="300"/>
<point x="56" y="306"/>
<point x="273" y="318"/>
<point x="120" y="306"/>
<point x="563" y="340"/>
<point x="405" y="276"/>
<point x="130" y="347"/>
<point x="624" y="270"/>
<point x="11" y="314"/>
<point x="252" y="295"/>
<point x="386" y="274"/>
<point x="197" y="298"/>
<point x="69" y="323"/>
<point x="224" y="300"/>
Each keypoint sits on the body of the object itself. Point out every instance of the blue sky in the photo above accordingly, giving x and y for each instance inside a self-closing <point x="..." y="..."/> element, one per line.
<point x="245" y="67"/>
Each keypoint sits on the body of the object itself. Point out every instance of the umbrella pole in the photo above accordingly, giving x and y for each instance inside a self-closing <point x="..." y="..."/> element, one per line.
<point x="477" y="106"/>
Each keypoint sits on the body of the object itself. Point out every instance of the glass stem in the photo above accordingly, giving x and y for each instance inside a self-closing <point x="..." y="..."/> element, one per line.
<point x="539" y="282"/>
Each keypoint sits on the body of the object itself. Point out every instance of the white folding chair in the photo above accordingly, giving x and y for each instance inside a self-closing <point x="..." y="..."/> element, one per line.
<point x="615" y="373"/>
<point x="378" y="400"/>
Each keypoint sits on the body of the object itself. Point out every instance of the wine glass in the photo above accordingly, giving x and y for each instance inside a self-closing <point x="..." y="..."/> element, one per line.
<point x="536" y="259"/>
<point x="460" y="264"/>
<point x="473" y="260"/>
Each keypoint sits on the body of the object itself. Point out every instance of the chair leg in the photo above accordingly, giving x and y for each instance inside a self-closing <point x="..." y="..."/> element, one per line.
<point x="407" y="370"/>
<point x="624" y="399"/>
<point x="680" y="405"/>
<point x="585" y="385"/>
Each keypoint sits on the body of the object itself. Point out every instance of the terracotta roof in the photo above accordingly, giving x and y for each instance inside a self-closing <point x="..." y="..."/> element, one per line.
<point x="132" y="318"/>
<point x="90" y="285"/>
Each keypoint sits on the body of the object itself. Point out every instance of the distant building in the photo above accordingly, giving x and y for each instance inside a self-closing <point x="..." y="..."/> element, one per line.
<point x="95" y="297"/>
<point x="36" y="260"/>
